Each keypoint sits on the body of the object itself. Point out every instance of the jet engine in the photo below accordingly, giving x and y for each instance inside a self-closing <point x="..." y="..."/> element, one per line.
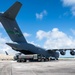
<point x="72" y="52"/>
<point x="62" y="52"/>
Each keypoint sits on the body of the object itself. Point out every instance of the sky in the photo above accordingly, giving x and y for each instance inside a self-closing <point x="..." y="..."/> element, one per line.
<point x="47" y="23"/>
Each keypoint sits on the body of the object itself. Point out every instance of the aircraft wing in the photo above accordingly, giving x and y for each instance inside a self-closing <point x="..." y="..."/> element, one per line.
<point x="20" y="48"/>
<point x="61" y="49"/>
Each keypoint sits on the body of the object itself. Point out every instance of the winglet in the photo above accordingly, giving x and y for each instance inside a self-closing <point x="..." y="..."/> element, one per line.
<point x="12" y="12"/>
<point x="6" y="53"/>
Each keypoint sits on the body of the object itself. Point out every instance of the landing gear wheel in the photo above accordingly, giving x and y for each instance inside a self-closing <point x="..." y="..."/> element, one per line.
<point x="56" y="58"/>
<point x="42" y="60"/>
<point x="18" y="60"/>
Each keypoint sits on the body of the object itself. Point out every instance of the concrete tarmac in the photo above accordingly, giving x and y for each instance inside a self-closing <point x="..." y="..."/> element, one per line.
<point x="61" y="67"/>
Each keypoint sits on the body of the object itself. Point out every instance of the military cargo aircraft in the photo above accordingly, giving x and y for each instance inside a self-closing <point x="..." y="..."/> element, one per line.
<point x="8" y="20"/>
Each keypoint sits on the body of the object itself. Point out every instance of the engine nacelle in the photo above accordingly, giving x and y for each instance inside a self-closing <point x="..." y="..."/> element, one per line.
<point x="62" y="52"/>
<point x="72" y="52"/>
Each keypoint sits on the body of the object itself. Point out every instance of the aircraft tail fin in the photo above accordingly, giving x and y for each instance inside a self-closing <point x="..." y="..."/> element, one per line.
<point x="12" y="12"/>
<point x="9" y="23"/>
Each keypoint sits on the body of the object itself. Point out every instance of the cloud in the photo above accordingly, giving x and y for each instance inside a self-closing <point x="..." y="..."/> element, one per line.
<point x="1" y="25"/>
<point x="32" y="42"/>
<point x="2" y="12"/>
<point x="4" y="47"/>
<point x="26" y="34"/>
<point x="73" y="10"/>
<point x="73" y="31"/>
<point x="56" y="39"/>
<point x="68" y="2"/>
<point x="41" y="15"/>
<point x="71" y="4"/>
<point x="41" y="34"/>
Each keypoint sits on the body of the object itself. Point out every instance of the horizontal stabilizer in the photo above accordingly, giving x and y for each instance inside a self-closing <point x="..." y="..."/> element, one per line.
<point x="12" y="12"/>
<point x="14" y="46"/>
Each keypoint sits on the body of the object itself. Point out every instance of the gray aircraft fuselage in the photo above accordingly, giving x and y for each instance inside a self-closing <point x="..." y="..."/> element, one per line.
<point x="27" y="48"/>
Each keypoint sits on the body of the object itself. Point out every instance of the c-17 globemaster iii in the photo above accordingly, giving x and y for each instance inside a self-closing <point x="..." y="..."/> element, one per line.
<point x="19" y="42"/>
